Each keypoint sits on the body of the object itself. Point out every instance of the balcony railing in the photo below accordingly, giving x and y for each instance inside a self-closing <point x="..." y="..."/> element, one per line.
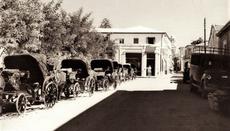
<point x="211" y="50"/>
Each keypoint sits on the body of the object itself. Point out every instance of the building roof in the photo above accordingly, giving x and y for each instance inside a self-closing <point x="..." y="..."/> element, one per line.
<point x="137" y="29"/>
<point x="217" y="27"/>
<point x="223" y="29"/>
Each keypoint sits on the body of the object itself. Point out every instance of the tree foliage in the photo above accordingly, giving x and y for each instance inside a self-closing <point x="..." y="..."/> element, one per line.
<point x="20" y="23"/>
<point x="105" y="23"/>
<point x="36" y="26"/>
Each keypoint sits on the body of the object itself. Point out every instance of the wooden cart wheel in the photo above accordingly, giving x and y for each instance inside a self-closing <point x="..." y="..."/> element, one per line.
<point x="21" y="103"/>
<point x="105" y="84"/>
<point x="67" y="90"/>
<point x="92" y="85"/>
<point x="50" y="94"/>
<point x="115" y="82"/>
<point x="76" y="89"/>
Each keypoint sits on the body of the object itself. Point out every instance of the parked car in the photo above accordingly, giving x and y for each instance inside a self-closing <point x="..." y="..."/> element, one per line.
<point x="210" y="74"/>
<point x="104" y="73"/>
<point x="27" y="81"/>
<point x="207" y="71"/>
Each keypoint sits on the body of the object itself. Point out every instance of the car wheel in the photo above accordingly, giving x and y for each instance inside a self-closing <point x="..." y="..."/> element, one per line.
<point x="203" y="92"/>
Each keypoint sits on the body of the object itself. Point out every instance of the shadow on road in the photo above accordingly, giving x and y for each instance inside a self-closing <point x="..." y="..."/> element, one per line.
<point x="166" y="110"/>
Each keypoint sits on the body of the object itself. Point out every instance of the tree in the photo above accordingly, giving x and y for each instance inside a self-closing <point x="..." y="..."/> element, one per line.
<point x="35" y="26"/>
<point x="21" y="23"/>
<point x="198" y="41"/>
<point x="105" y="23"/>
<point x="78" y="35"/>
<point x="53" y="29"/>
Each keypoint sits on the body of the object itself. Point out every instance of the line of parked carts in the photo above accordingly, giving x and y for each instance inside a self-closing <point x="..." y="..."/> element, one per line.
<point x="26" y="79"/>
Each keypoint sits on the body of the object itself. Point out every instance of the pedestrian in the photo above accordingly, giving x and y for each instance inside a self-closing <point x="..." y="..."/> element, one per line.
<point x="186" y="72"/>
<point x="149" y="70"/>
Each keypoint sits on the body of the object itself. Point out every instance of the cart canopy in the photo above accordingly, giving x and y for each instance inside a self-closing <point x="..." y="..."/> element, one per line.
<point x="115" y="65"/>
<point x="76" y="64"/>
<point x="104" y="64"/>
<point x="120" y="65"/>
<point x="26" y="63"/>
<point x="127" y="66"/>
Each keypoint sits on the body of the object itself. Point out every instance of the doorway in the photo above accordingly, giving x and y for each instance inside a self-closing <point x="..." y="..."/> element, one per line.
<point x="150" y="64"/>
<point x="135" y="59"/>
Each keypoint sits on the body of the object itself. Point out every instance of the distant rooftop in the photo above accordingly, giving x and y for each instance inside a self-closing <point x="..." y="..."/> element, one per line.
<point x="137" y="29"/>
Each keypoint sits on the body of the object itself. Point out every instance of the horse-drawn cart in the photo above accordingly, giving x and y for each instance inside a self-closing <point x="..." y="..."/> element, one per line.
<point x="78" y="78"/>
<point x="104" y="73"/>
<point x="27" y="81"/>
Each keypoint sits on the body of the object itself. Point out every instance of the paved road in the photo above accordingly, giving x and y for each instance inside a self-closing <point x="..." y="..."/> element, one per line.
<point x="169" y="110"/>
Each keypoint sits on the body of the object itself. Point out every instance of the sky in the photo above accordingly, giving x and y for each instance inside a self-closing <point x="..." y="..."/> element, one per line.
<point x="182" y="19"/>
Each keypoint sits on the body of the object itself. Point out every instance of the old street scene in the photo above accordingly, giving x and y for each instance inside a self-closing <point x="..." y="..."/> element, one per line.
<point x="150" y="65"/>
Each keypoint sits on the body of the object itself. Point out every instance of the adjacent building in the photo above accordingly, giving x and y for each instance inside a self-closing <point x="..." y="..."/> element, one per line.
<point x="148" y="49"/>
<point x="224" y="37"/>
<point x="213" y="39"/>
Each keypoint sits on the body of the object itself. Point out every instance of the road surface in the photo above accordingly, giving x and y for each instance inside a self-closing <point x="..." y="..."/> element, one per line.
<point x="142" y="104"/>
<point x="150" y="110"/>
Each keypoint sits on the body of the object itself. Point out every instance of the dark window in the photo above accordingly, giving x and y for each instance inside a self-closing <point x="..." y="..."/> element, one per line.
<point x="151" y="40"/>
<point x="135" y="40"/>
<point x="121" y="41"/>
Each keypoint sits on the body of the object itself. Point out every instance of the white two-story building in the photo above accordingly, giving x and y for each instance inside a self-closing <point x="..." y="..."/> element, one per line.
<point x="148" y="49"/>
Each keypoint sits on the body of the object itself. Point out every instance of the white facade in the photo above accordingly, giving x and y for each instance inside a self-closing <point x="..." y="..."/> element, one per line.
<point x="153" y="47"/>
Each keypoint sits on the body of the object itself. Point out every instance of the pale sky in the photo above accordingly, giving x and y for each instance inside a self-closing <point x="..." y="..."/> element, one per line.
<point x="183" y="19"/>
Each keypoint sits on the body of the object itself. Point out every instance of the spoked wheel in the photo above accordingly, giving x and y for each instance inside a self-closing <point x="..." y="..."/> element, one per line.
<point x="91" y="87"/>
<point x="76" y="89"/>
<point x="67" y="90"/>
<point x="105" y="84"/>
<point x="115" y="84"/>
<point x="21" y="103"/>
<point x="50" y="94"/>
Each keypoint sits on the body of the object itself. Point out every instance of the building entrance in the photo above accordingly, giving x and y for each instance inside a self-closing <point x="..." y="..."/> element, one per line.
<point x="135" y="59"/>
<point x="150" y="64"/>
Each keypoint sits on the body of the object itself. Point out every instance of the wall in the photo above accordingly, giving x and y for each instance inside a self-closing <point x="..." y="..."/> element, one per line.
<point x="214" y="40"/>
<point x="224" y="40"/>
<point x="129" y="38"/>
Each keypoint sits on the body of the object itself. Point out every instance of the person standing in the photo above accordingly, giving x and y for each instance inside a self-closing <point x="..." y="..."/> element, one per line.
<point x="149" y="70"/>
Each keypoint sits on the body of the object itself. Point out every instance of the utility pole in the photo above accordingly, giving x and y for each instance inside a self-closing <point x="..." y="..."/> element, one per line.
<point x="205" y="35"/>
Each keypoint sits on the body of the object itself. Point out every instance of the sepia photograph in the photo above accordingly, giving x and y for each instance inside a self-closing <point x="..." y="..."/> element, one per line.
<point x="114" y="65"/>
